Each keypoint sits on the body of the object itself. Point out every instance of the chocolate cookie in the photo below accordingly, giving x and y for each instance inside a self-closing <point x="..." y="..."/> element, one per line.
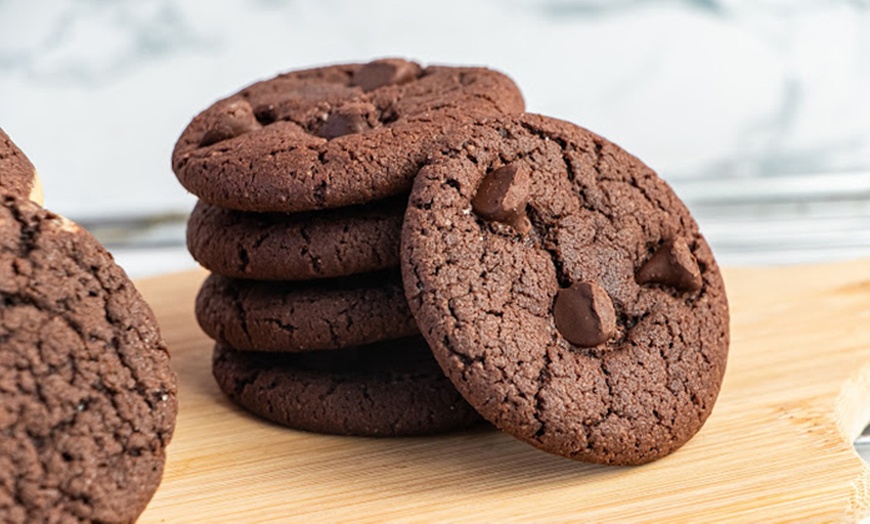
<point x="304" y="316"/>
<point x="565" y="290"/>
<point x="17" y="175"/>
<point x="87" y="398"/>
<point x="332" y="136"/>
<point x="297" y="246"/>
<point x="387" y="389"/>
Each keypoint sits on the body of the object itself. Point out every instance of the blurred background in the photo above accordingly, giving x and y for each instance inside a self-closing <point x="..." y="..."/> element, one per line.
<point x="756" y="112"/>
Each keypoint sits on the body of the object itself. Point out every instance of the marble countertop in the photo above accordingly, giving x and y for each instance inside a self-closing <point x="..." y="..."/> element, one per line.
<point x="755" y="111"/>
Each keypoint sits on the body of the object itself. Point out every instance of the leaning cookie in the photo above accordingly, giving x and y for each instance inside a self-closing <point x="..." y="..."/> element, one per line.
<point x="87" y="398"/>
<point x="388" y="389"/>
<point x="565" y="290"/>
<point x="304" y="316"/>
<point x="17" y="175"/>
<point x="297" y="246"/>
<point x="332" y="136"/>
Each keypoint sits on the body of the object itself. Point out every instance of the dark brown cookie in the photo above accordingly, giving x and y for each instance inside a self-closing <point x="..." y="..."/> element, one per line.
<point x="565" y="290"/>
<point x="304" y="316"/>
<point x="332" y="136"/>
<point x="17" y="175"/>
<point x="387" y="389"/>
<point x="87" y="398"/>
<point x="297" y="246"/>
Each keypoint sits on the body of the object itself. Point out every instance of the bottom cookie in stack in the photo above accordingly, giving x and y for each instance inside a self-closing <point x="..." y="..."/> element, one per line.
<point x="391" y="388"/>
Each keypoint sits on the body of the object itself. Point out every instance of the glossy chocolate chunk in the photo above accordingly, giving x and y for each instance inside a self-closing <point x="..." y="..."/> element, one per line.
<point x="502" y="196"/>
<point x="347" y="119"/>
<point x="672" y="265"/>
<point x="385" y="72"/>
<point x="584" y="314"/>
<point x="234" y="119"/>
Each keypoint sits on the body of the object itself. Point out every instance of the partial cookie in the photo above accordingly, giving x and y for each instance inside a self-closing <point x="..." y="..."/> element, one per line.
<point x="565" y="290"/>
<point x="388" y="389"/>
<point x="87" y="398"/>
<point x="332" y="136"/>
<point x="304" y="316"/>
<point x="298" y="246"/>
<point x="17" y="175"/>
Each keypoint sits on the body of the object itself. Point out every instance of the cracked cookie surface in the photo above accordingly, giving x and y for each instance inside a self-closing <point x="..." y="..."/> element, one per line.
<point x="565" y="290"/>
<point x="391" y="388"/>
<point x="87" y="398"/>
<point x="297" y="246"/>
<point x="17" y="174"/>
<point x="331" y="136"/>
<point x="304" y="316"/>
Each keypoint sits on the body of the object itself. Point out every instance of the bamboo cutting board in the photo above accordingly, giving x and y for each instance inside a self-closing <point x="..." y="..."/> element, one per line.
<point x="777" y="446"/>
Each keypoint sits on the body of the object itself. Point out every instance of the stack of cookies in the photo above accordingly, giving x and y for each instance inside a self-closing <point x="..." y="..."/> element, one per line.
<point x="563" y="289"/>
<point x="303" y="181"/>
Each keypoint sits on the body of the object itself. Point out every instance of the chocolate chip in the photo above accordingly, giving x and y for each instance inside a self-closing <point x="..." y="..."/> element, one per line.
<point x="265" y="114"/>
<point x="385" y="72"/>
<point x="230" y="119"/>
<point x="347" y="119"/>
<point x="672" y="265"/>
<point x="584" y="314"/>
<point x="502" y="196"/>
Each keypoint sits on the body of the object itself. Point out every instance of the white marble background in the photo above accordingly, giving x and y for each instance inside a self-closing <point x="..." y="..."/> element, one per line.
<point x="756" y="111"/>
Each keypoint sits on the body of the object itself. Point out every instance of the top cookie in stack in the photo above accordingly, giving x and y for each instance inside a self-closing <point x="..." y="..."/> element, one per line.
<point x="303" y="181"/>
<point x="314" y="140"/>
<point x="333" y="136"/>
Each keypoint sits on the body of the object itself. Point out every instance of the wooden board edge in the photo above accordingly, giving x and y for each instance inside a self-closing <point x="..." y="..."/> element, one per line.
<point x="851" y="415"/>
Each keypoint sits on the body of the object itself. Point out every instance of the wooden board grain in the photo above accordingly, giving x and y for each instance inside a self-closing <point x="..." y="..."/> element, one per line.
<point x="778" y="445"/>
